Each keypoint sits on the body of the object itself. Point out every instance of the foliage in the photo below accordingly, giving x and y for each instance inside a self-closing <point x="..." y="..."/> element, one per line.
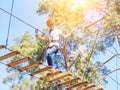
<point x="69" y="15"/>
<point x="27" y="46"/>
<point x="91" y="36"/>
<point x="95" y="34"/>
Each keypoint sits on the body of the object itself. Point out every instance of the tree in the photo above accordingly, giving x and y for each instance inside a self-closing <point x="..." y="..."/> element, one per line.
<point x="27" y="46"/>
<point x="95" y="34"/>
<point x="91" y="37"/>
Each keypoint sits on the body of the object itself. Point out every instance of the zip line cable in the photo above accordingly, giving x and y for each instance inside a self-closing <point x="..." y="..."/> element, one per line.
<point x="21" y="20"/>
<point x="117" y="57"/>
<point x="9" y="23"/>
<point x="117" y="72"/>
<point x="114" y="80"/>
<point x="116" y="67"/>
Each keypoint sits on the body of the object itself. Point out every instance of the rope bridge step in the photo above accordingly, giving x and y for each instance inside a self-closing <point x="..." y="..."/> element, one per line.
<point x="9" y="55"/>
<point x="88" y="87"/>
<point x="30" y="66"/>
<point x="99" y="89"/>
<point x="47" y="76"/>
<point x="50" y="75"/>
<point x="41" y="70"/>
<point x="76" y="85"/>
<point x="18" y="61"/>
<point x="2" y="46"/>
<point x="118" y="38"/>
<point x="60" y="77"/>
<point x="69" y="81"/>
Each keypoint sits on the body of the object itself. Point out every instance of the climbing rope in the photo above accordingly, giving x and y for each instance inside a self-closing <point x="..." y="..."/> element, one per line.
<point x="9" y="23"/>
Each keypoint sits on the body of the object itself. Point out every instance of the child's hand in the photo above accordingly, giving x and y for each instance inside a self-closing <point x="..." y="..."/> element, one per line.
<point x="73" y="31"/>
<point x="37" y="35"/>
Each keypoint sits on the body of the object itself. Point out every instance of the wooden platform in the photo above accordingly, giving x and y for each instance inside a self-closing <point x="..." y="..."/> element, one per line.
<point x="50" y="75"/>
<point x="18" y="61"/>
<point x="60" y="77"/>
<point x="41" y="70"/>
<point x="88" y="87"/>
<point x="2" y="46"/>
<point x="9" y="55"/>
<point x="76" y="85"/>
<point x="99" y="89"/>
<point x="30" y="66"/>
<point x="69" y="81"/>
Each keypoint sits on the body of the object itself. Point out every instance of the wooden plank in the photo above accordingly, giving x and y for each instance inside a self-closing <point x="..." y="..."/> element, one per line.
<point x="2" y="46"/>
<point x="60" y="77"/>
<point x="50" y="75"/>
<point x="9" y="55"/>
<point x="30" y="66"/>
<point x="88" y="87"/>
<point x="76" y="85"/>
<point x="41" y="70"/>
<point x="18" y="61"/>
<point x="69" y="81"/>
<point x="99" y="89"/>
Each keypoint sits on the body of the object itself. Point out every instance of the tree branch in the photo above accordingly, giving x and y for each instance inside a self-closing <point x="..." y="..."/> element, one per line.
<point x="86" y="27"/>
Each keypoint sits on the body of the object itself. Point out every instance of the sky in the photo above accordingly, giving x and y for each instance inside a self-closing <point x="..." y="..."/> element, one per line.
<point x="26" y="10"/>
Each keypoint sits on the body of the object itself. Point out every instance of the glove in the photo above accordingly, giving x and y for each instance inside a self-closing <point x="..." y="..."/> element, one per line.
<point x="37" y="35"/>
<point x="36" y="31"/>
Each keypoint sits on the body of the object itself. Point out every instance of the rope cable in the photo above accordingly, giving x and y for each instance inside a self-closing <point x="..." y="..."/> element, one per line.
<point x="21" y="20"/>
<point x="9" y="23"/>
<point x="117" y="72"/>
<point x="117" y="57"/>
<point x="114" y="80"/>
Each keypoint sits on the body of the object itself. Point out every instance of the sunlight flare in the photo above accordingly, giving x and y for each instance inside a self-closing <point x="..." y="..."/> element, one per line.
<point x="80" y="3"/>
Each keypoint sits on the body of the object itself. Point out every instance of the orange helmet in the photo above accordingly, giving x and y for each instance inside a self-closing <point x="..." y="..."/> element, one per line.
<point x="49" y="22"/>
